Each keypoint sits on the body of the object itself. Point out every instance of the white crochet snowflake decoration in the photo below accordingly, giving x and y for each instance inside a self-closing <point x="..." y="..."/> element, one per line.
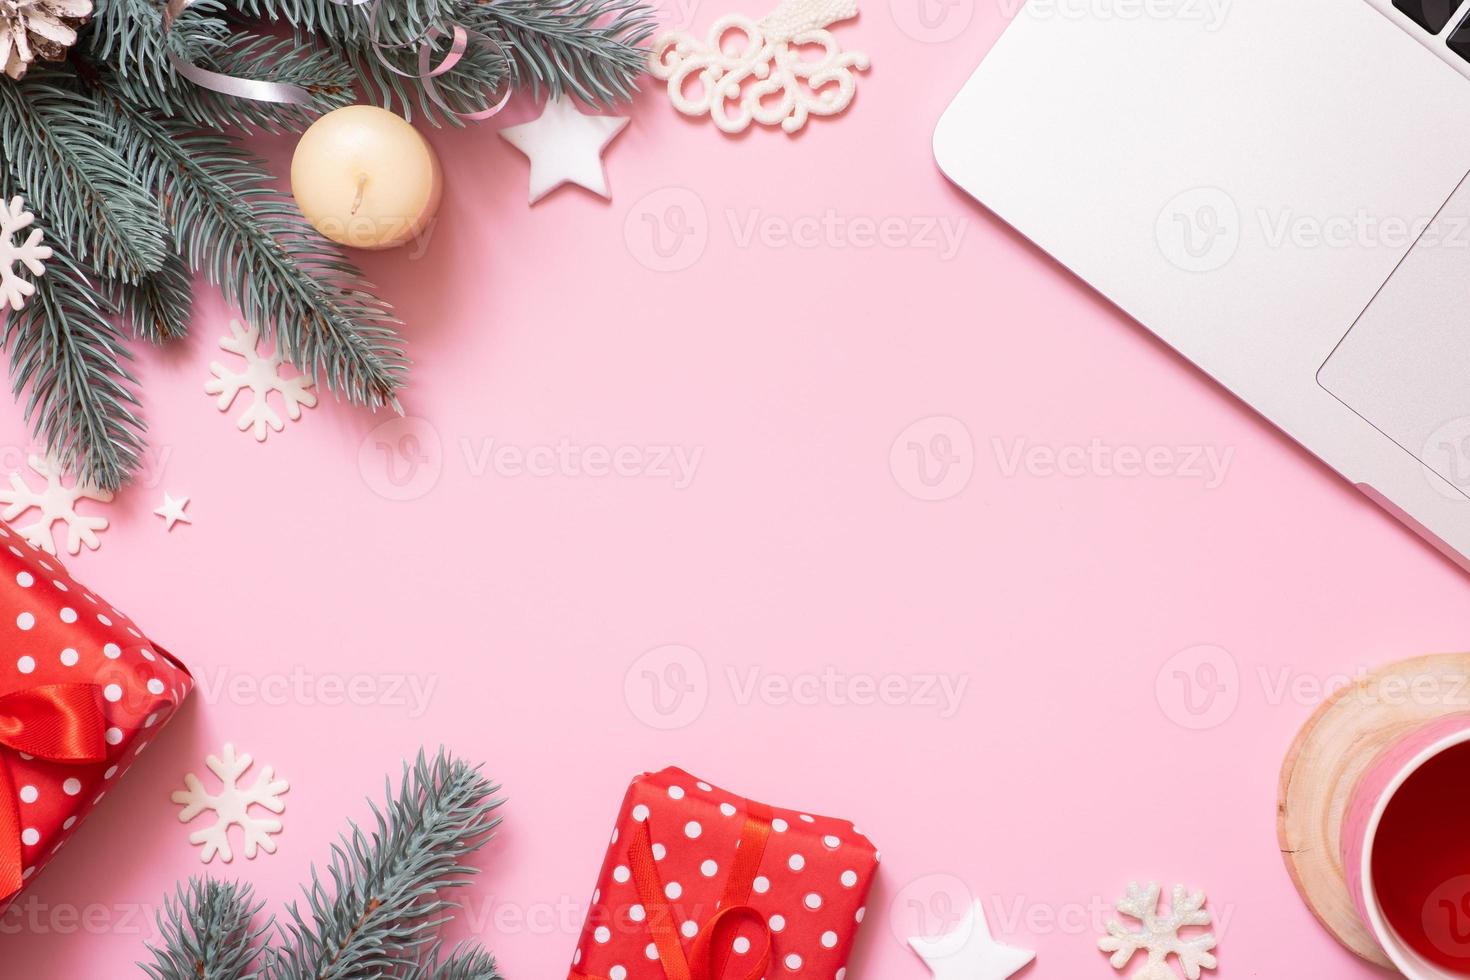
<point x="56" y="502"/>
<point x="770" y="52"/>
<point x="232" y="805"/>
<point x="1159" y="935"/>
<point x="14" y="218"/>
<point x="262" y="375"/>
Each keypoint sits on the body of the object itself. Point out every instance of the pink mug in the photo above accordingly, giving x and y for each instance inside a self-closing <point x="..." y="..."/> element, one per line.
<point x="1405" y="841"/>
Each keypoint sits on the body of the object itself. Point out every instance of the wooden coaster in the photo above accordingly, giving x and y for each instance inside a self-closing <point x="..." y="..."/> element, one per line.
<point x="1332" y="750"/>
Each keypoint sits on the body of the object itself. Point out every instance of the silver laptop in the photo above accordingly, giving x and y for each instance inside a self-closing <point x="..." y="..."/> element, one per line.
<point x="1278" y="189"/>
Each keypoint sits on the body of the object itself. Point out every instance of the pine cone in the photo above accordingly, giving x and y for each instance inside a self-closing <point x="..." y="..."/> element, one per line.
<point x="31" y="29"/>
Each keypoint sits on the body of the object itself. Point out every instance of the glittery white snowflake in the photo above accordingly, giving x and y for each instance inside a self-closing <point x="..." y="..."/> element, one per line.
<point x="232" y="805"/>
<point x="57" y="501"/>
<point x="14" y="218"/>
<point x="1159" y="936"/>
<point x="262" y="375"/>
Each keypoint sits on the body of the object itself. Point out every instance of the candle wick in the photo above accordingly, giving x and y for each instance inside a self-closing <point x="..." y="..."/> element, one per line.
<point x="361" y="189"/>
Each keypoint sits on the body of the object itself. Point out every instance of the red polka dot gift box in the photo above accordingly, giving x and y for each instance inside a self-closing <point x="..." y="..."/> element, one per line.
<point x="701" y="884"/>
<point x="82" y="691"/>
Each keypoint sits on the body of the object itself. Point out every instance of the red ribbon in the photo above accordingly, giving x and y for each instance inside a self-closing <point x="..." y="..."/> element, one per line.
<point x="710" y="952"/>
<point x="56" y="722"/>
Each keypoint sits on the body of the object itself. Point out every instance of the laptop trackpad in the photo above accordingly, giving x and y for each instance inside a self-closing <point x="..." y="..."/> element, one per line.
<point x="1405" y="365"/>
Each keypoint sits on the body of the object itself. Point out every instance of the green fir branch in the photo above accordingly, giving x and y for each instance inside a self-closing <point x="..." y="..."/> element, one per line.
<point x="379" y="918"/>
<point x="55" y="142"/>
<point x="384" y="53"/>
<point x="593" y="49"/>
<point x="327" y="78"/>
<point x="234" y="227"/>
<point x="326" y="19"/>
<point x="128" y="36"/>
<point x="384" y="906"/>
<point x="157" y="306"/>
<point x="397" y="22"/>
<point x="124" y="158"/>
<point x="67" y="367"/>
<point x="463" y="963"/>
<point x="475" y="83"/>
<point x="208" y="933"/>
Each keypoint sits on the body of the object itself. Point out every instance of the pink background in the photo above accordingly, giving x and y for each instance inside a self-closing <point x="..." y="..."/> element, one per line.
<point x="1137" y="651"/>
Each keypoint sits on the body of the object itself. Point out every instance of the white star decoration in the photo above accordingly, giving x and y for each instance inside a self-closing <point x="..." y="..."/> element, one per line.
<point x="565" y="146"/>
<point x="172" y="511"/>
<point x="969" y="952"/>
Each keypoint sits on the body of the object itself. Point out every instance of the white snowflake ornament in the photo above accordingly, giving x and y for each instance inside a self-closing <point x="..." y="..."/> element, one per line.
<point x="785" y="87"/>
<point x="14" y="218"/>
<point x="232" y="805"/>
<point x="1159" y="933"/>
<point x="57" y="501"/>
<point x="262" y="375"/>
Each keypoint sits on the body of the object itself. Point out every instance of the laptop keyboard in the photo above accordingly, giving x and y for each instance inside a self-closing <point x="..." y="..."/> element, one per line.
<point x="1459" y="40"/>
<point x="1432" y="15"/>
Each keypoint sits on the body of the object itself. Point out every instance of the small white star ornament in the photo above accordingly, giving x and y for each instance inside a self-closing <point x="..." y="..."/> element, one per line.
<point x="970" y="952"/>
<point x="565" y="147"/>
<point x="172" y="511"/>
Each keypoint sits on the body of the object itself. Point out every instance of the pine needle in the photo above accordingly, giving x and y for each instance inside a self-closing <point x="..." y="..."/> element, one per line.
<point x="208" y="933"/>
<point x="128" y="35"/>
<point x="157" y="306"/>
<point x="463" y="963"/>
<point x="384" y="53"/>
<point x="55" y="142"/>
<point x="66" y="361"/>
<point x="378" y="918"/>
<point x="234" y="227"/>
<point x="141" y="178"/>
<point x="325" y="76"/>
<point x="380" y="915"/>
<point x="592" y="49"/>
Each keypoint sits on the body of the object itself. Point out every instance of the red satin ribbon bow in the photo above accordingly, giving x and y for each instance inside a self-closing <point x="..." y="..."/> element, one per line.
<point x="710" y="952"/>
<point x="56" y="722"/>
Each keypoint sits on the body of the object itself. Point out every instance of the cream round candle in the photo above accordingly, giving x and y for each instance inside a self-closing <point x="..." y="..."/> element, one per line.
<point x="365" y="178"/>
